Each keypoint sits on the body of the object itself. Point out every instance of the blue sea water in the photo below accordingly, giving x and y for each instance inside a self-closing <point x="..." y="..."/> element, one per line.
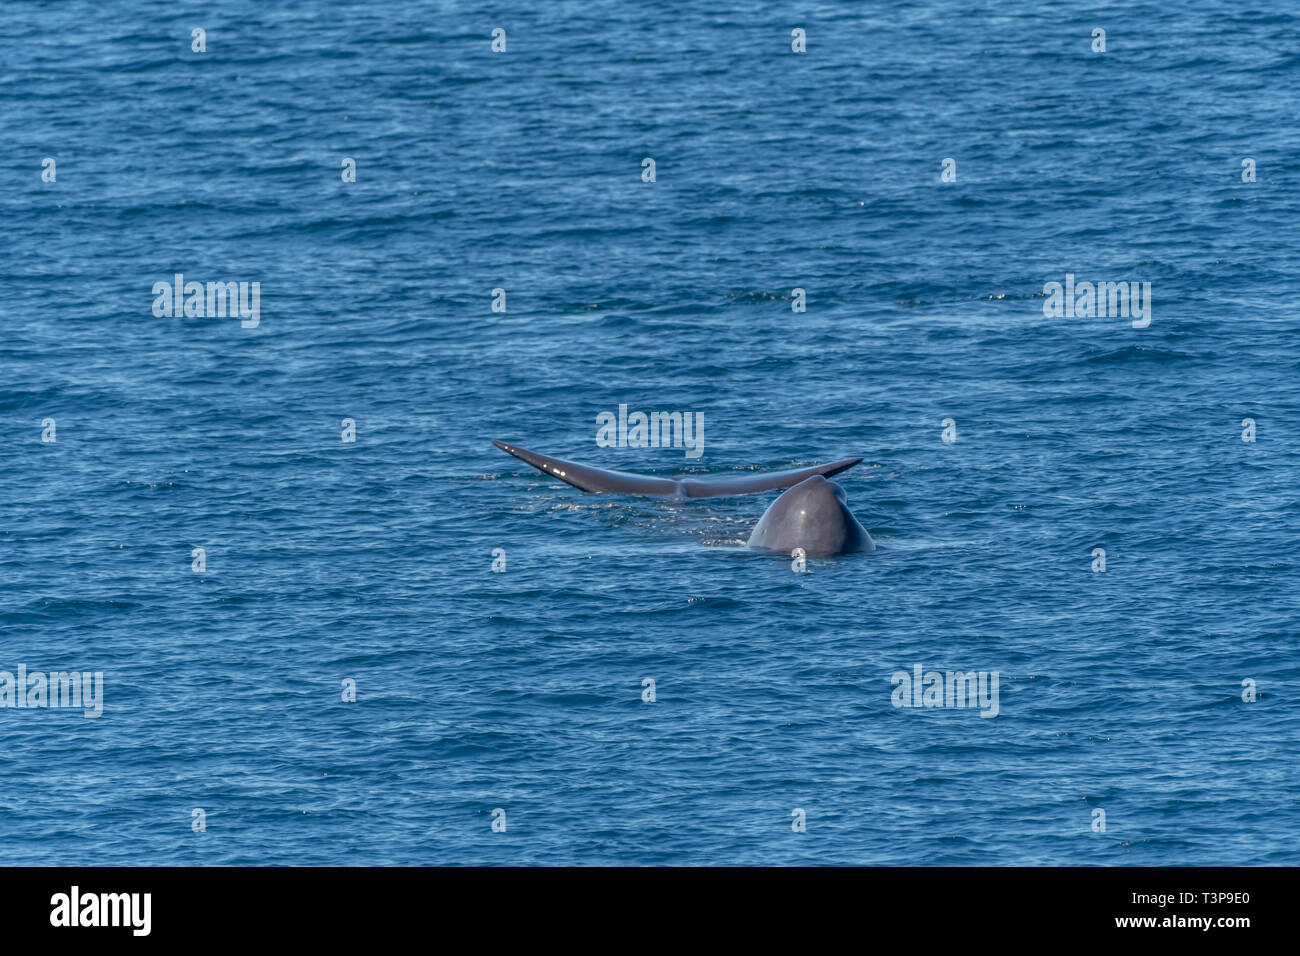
<point x="1120" y="691"/>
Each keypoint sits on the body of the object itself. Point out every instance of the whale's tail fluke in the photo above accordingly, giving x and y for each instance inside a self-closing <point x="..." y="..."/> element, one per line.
<point x="601" y="481"/>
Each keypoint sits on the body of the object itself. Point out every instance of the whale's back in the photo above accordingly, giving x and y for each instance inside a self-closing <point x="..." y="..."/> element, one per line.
<point x="813" y="516"/>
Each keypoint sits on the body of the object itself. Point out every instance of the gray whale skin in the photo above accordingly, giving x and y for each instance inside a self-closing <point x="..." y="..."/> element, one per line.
<point x="810" y="513"/>
<point x="813" y="516"/>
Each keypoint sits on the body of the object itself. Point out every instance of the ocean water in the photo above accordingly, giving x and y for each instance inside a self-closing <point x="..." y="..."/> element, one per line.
<point x="1120" y="690"/>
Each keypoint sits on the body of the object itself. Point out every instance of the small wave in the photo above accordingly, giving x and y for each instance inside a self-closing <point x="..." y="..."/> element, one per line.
<point x="1135" y="353"/>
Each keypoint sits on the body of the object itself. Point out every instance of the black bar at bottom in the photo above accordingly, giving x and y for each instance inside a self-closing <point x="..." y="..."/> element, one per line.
<point x="336" y="905"/>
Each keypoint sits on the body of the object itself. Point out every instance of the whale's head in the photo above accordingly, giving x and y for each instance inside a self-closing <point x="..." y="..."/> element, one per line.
<point x="811" y="515"/>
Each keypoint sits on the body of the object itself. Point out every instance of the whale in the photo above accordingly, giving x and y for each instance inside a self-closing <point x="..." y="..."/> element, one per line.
<point x="811" y="513"/>
<point x="600" y="481"/>
<point x="813" y="516"/>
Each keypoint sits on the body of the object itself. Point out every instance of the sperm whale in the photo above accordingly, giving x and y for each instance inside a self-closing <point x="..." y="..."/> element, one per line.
<point x="811" y="513"/>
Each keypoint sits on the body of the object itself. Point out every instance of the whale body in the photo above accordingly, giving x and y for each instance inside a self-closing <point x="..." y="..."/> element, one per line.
<point x="602" y="481"/>
<point x="814" y="516"/>
<point x="810" y="513"/>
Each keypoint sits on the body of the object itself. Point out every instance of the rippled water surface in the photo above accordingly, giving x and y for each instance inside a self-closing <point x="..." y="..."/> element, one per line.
<point x="1119" y="691"/>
